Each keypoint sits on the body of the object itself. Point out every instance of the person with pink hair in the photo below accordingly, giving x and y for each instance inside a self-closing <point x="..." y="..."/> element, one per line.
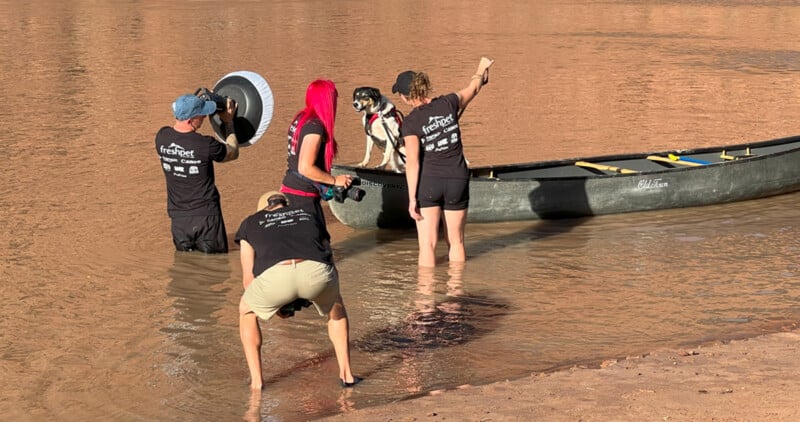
<point x="312" y="147"/>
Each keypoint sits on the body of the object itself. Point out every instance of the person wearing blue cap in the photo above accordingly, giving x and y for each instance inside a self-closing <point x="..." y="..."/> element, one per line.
<point x="187" y="159"/>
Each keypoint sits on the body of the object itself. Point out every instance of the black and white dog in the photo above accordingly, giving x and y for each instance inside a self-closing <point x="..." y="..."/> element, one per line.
<point x="381" y="121"/>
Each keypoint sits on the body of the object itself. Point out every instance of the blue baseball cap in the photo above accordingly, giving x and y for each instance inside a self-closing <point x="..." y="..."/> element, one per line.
<point x="188" y="106"/>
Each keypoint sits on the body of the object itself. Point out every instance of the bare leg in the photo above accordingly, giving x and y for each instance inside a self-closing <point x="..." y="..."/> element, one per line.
<point x="250" y="333"/>
<point x="456" y="220"/>
<point x="339" y="332"/>
<point x="428" y="234"/>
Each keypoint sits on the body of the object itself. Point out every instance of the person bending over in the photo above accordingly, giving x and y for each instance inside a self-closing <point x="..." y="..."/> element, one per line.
<point x="285" y="256"/>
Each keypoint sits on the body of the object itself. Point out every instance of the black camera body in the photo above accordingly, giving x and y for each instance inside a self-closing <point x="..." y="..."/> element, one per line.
<point x="207" y="95"/>
<point x="289" y="309"/>
<point x="340" y="193"/>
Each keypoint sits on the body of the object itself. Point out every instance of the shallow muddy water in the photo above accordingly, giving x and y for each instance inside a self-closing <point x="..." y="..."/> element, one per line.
<point x="102" y="320"/>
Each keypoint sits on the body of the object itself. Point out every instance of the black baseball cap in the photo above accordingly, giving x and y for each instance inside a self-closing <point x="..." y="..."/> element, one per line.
<point x="403" y="82"/>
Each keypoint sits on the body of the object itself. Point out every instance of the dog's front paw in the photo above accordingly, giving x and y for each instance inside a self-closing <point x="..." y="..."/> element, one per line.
<point x="362" y="164"/>
<point x="380" y="166"/>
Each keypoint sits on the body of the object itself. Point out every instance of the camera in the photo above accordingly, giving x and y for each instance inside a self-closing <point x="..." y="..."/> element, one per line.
<point x="340" y="193"/>
<point x="207" y="95"/>
<point x="289" y="309"/>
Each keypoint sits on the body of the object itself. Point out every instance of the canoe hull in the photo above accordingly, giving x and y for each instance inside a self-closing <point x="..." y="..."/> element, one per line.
<point x="504" y="193"/>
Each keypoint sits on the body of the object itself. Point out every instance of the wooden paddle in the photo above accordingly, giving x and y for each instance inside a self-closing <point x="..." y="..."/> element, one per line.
<point x="603" y="167"/>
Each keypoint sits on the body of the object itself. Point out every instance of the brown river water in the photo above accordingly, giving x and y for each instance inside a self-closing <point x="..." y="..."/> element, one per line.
<point x="102" y="320"/>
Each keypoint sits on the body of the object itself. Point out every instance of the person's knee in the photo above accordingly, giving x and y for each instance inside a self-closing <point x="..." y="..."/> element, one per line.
<point x="428" y="235"/>
<point x="338" y="311"/>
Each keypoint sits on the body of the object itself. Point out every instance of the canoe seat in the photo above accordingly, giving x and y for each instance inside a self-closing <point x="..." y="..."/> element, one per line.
<point x="747" y="154"/>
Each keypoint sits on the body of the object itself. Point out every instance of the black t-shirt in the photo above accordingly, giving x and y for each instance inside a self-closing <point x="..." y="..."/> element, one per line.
<point x="287" y="233"/>
<point x="188" y="163"/>
<point x="292" y="178"/>
<point x="436" y="126"/>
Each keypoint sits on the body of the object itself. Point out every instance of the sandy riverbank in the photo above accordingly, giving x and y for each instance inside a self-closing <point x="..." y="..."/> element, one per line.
<point x="755" y="379"/>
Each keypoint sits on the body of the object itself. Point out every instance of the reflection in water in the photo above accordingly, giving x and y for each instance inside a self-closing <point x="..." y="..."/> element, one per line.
<point x="433" y="324"/>
<point x="264" y="405"/>
<point x="253" y="413"/>
<point x="451" y="320"/>
<point x="437" y="321"/>
<point x="196" y="283"/>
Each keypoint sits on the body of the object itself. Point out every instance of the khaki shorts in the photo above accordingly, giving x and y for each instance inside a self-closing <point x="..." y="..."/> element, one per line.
<point x="282" y="284"/>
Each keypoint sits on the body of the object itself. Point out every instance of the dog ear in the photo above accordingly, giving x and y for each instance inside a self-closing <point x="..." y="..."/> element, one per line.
<point x="375" y="94"/>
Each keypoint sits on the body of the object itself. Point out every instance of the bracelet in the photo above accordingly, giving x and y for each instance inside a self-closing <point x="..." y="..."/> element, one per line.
<point x="477" y="75"/>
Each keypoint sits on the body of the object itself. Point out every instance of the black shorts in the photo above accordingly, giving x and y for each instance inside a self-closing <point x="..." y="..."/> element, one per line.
<point x="200" y="233"/>
<point x="449" y="194"/>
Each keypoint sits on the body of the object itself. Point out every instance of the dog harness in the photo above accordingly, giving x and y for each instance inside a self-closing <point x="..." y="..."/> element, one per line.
<point x="398" y="117"/>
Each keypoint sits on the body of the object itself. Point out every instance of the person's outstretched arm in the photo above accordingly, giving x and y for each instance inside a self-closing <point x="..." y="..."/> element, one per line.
<point x="480" y="77"/>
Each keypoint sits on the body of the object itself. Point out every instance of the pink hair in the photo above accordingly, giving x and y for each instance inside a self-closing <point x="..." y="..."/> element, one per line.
<point x="321" y="98"/>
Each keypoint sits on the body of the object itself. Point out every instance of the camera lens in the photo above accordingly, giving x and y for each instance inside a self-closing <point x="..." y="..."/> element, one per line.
<point x="356" y="194"/>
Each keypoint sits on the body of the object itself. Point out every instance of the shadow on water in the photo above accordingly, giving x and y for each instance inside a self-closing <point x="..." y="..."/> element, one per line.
<point x="541" y="229"/>
<point x="557" y="217"/>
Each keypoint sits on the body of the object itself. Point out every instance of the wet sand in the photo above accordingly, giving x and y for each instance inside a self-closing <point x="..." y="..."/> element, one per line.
<point x="741" y="380"/>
